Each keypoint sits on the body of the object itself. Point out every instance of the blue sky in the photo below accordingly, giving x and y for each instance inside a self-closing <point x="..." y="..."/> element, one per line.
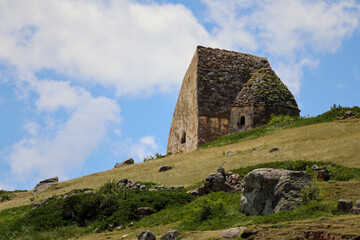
<point x="85" y="84"/>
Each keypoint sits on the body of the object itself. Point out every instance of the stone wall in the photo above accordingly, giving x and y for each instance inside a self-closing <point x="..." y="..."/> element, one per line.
<point x="184" y="125"/>
<point x="256" y="115"/>
<point x="220" y="77"/>
<point x="211" y="128"/>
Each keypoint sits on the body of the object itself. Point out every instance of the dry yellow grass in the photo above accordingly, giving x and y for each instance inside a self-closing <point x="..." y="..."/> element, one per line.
<point x="338" y="142"/>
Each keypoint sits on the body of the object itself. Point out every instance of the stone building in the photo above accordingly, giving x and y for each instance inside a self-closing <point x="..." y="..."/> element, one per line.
<point x="225" y="92"/>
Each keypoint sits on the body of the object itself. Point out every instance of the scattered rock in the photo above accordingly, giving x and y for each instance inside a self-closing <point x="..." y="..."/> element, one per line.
<point x="124" y="163"/>
<point x="124" y="236"/>
<point x="356" y="208"/>
<point x="120" y="227"/>
<point x="347" y="114"/>
<point x="45" y="184"/>
<point x="146" y="235"/>
<point x="256" y="149"/>
<point x="89" y="192"/>
<point x="97" y="230"/>
<point x="220" y="181"/>
<point x="267" y="190"/>
<point x="232" y="232"/>
<point x="130" y="224"/>
<point x="273" y="150"/>
<point x="172" y="235"/>
<point x="344" y="205"/>
<point x="144" y="212"/>
<point x="323" y="175"/>
<point x="315" y="167"/>
<point x="165" y="168"/>
<point x="229" y="153"/>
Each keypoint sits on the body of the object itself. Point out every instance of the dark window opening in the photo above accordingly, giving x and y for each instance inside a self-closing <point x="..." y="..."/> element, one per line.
<point x="183" y="138"/>
<point x="241" y="121"/>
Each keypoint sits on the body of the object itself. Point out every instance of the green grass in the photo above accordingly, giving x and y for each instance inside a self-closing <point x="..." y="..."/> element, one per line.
<point x="281" y="122"/>
<point x="81" y="213"/>
<point x="337" y="172"/>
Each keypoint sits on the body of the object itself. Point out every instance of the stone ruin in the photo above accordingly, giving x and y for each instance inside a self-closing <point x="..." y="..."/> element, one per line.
<point x="226" y="92"/>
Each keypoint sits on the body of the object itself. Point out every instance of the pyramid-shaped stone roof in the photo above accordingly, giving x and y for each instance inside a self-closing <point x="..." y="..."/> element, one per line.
<point x="265" y="88"/>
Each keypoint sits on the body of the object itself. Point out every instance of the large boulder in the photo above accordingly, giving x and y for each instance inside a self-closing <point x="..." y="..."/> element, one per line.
<point x="124" y="163"/>
<point x="267" y="190"/>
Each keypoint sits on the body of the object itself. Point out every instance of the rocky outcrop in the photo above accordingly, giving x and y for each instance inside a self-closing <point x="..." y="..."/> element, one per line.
<point x="220" y="181"/>
<point x="267" y="191"/>
<point x="124" y="163"/>
<point x="45" y="184"/>
<point x="347" y="114"/>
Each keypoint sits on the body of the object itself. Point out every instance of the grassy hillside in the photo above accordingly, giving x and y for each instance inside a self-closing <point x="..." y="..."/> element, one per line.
<point x="300" y="140"/>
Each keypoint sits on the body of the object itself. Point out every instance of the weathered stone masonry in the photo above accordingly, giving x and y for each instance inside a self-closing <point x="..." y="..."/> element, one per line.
<point x="211" y="84"/>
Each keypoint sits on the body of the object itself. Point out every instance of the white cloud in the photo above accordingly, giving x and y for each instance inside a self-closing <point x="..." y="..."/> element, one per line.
<point x="32" y="128"/>
<point x="58" y="152"/>
<point x="123" y="44"/>
<point x="145" y="147"/>
<point x="287" y="32"/>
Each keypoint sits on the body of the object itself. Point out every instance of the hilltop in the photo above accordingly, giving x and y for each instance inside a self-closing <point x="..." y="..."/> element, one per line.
<point x="301" y="141"/>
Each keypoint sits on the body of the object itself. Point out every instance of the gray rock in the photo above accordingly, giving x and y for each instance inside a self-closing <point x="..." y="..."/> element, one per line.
<point x="344" y="205"/>
<point x="267" y="191"/>
<point x="348" y="114"/>
<point x="221" y="170"/>
<point x="144" y="212"/>
<point x="232" y="232"/>
<point x="124" y="163"/>
<point x="356" y="208"/>
<point x="256" y="149"/>
<point x="45" y="184"/>
<point x="273" y="150"/>
<point x="323" y="175"/>
<point x="146" y="235"/>
<point x="165" y="168"/>
<point x="229" y="153"/>
<point x="172" y="235"/>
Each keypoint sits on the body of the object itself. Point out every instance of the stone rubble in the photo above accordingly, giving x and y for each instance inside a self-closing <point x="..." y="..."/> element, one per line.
<point x="220" y="181"/>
